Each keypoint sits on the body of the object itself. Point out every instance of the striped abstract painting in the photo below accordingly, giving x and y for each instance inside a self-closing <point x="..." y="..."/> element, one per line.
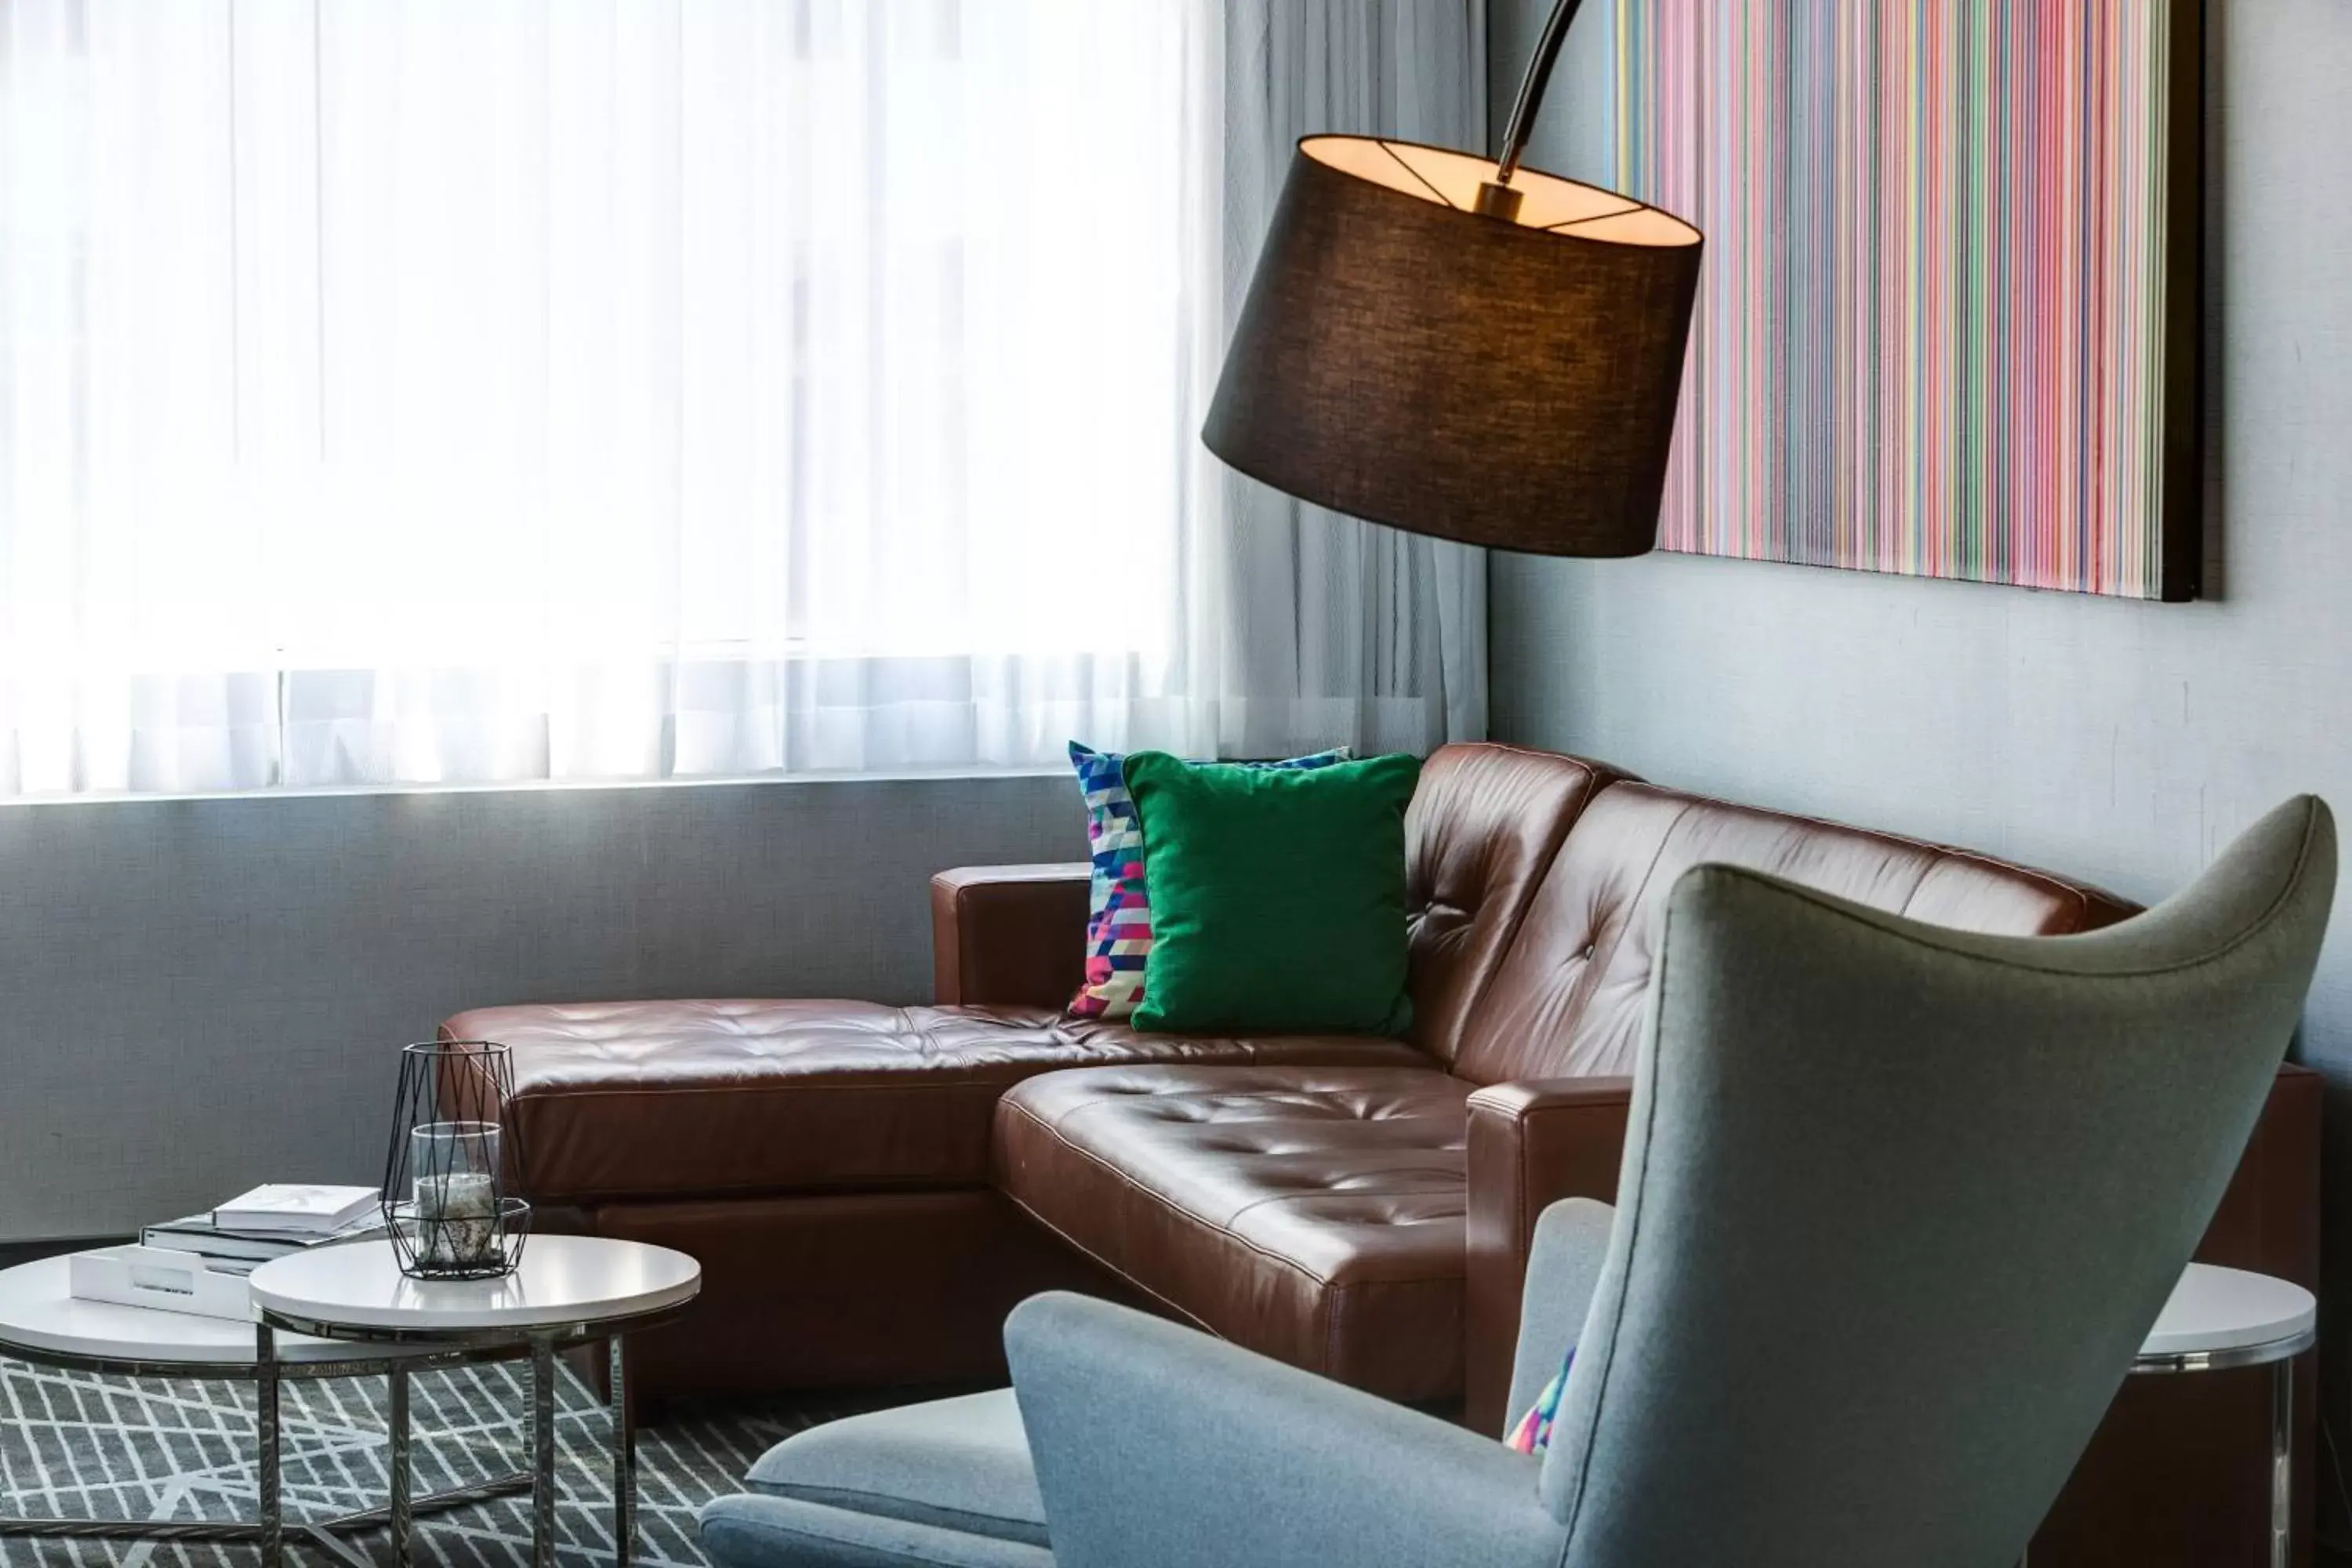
<point x="1945" y="326"/>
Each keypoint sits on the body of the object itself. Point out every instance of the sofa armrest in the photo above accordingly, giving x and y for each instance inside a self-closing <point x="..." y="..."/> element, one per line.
<point x="1009" y="936"/>
<point x="1536" y="1141"/>
<point x="1531" y="1143"/>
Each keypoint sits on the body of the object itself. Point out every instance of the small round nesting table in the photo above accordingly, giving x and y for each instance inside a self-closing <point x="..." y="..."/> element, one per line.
<point x="2222" y="1318"/>
<point x="43" y="1324"/>
<point x="568" y="1290"/>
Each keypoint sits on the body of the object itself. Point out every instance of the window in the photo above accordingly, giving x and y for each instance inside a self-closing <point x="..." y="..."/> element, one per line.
<point x="445" y="389"/>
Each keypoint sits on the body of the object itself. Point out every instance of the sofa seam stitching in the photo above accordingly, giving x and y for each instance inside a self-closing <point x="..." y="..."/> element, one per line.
<point x="1174" y="1207"/>
<point x="796" y="1089"/>
<point x="1085" y="1251"/>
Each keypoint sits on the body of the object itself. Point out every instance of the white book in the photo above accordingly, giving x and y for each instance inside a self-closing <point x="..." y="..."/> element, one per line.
<point x="159" y="1280"/>
<point x="294" y="1208"/>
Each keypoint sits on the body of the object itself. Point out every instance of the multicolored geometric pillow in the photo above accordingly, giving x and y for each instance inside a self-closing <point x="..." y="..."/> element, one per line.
<point x="1119" y="911"/>
<point x="1533" y="1434"/>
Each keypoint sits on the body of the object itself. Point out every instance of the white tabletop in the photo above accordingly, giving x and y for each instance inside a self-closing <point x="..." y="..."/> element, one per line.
<point x="38" y="1312"/>
<point x="2228" y="1309"/>
<point x="562" y="1279"/>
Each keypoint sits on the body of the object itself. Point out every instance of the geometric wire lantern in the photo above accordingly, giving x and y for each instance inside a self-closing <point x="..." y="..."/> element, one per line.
<point x="449" y="1202"/>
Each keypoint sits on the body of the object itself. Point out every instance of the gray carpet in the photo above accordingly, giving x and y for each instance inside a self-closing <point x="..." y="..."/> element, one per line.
<point x="76" y="1445"/>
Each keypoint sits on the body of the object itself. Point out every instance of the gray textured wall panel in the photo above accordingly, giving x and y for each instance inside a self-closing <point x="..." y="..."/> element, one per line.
<point x="199" y="994"/>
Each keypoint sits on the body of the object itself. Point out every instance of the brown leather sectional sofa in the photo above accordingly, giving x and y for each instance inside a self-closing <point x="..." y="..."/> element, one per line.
<point x="871" y="1188"/>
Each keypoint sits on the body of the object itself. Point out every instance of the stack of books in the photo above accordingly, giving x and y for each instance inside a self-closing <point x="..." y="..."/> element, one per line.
<point x="269" y="1222"/>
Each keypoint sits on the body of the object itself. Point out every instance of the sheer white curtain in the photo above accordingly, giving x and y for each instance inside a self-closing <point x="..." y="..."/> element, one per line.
<point x="466" y="390"/>
<point x="1333" y="629"/>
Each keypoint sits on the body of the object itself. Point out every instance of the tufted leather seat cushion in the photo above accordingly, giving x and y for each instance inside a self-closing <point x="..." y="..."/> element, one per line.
<point x="672" y="1100"/>
<point x="1312" y="1214"/>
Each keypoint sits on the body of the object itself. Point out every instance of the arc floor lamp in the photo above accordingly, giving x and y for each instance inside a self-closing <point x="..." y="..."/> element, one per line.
<point x="1462" y="346"/>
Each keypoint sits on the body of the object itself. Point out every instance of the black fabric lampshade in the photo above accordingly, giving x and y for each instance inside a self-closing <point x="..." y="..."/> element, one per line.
<point x="1504" y="381"/>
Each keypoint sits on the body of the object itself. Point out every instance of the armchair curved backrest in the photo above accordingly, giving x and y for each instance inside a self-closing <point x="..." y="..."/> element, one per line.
<point x="1899" y="1203"/>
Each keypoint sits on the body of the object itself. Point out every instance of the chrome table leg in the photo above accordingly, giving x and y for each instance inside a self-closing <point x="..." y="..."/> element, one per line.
<point x="404" y="1508"/>
<point x="265" y="1384"/>
<point x="2281" y="1460"/>
<point x="542" y="1452"/>
<point x="625" y="1458"/>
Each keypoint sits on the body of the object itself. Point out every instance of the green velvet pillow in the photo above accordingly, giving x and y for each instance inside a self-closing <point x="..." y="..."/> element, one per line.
<point x="1277" y="896"/>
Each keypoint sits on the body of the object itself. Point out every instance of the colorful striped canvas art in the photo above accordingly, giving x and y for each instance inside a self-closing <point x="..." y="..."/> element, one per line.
<point x="1946" y="324"/>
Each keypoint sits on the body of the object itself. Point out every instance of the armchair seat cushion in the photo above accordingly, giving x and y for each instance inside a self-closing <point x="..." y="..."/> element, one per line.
<point x="1314" y="1213"/>
<point x="956" y="1464"/>
<point x="618" y="1101"/>
<point x="752" y="1530"/>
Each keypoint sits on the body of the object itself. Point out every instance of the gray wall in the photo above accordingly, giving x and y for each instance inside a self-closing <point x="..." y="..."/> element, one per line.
<point x="199" y="994"/>
<point x="2120" y="742"/>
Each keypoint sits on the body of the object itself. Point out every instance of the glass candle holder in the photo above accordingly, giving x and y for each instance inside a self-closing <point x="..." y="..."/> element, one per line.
<point x="457" y="1194"/>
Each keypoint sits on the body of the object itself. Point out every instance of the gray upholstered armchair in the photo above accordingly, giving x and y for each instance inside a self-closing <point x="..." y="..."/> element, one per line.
<point x="1864" y="1301"/>
<point x="951" y="1481"/>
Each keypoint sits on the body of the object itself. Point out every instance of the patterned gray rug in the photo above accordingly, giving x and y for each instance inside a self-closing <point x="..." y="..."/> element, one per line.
<point x="73" y="1445"/>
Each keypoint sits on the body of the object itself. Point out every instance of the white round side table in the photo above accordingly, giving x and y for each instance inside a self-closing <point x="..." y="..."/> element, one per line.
<point x="567" y="1291"/>
<point x="2223" y="1318"/>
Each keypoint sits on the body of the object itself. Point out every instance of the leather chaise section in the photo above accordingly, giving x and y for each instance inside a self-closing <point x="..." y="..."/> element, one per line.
<point x="703" y="1099"/>
<point x="844" y="1289"/>
<point x="1312" y="1214"/>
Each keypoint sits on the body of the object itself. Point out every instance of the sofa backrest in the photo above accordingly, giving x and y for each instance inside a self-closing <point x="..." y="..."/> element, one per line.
<point x="1566" y="998"/>
<point x="1485" y="821"/>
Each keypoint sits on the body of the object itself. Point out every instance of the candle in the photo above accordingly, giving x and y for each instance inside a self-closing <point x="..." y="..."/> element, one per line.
<point x="457" y="1219"/>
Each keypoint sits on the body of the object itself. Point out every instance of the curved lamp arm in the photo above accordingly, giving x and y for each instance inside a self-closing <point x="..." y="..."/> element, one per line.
<point x="1496" y="196"/>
